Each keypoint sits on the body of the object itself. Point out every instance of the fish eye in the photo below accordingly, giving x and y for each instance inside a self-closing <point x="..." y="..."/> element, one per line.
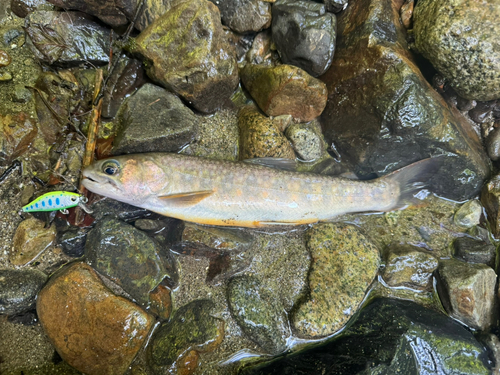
<point x="110" y="167"/>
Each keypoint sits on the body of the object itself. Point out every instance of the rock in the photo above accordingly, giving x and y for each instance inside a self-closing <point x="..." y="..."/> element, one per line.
<point x="190" y="55"/>
<point x="409" y="266"/>
<point x="406" y="13"/>
<point x="285" y="90"/>
<point x="490" y="199"/>
<point x="465" y="104"/>
<point x="344" y="263"/>
<point x="30" y="241"/>
<point x="244" y="16"/>
<point x="467" y="291"/>
<point x="92" y="329"/>
<point x="395" y="117"/>
<point x="307" y="141"/>
<point x="469" y="57"/>
<point x="471" y="250"/>
<point x="153" y="120"/>
<point x="241" y="43"/>
<point x="21" y="94"/>
<point x="151" y="10"/>
<point x="22" y="8"/>
<point x="4" y="59"/>
<point x="107" y="10"/>
<point x="335" y="6"/>
<point x="18" y="289"/>
<point x="493" y="144"/>
<point x="127" y="77"/>
<point x="259" y="313"/>
<point x="17" y="133"/>
<point x="118" y="210"/>
<point x="5" y="77"/>
<point x="469" y="214"/>
<point x="127" y="256"/>
<point x="261" y="48"/>
<point x="216" y="238"/>
<point x="67" y="38"/>
<point x="260" y="137"/>
<point x="482" y="111"/>
<point x="304" y="34"/>
<point x="161" y="302"/>
<point x="389" y="336"/>
<point x="191" y="329"/>
<point x="72" y="241"/>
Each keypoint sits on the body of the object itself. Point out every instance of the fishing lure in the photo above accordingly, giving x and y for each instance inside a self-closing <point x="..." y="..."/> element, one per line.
<point x="56" y="201"/>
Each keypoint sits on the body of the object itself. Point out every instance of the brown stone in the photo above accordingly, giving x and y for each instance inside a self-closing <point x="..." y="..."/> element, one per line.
<point x="17" y="133"/>
<point x="91" y="328"/>
<point x="260" y="137"/>
<point x="285" y="90"/>
<point x="31" y="240"/>
<point x="161" y="302"/>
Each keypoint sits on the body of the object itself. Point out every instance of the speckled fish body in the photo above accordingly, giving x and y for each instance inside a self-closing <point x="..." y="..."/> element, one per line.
<point x="235" y="193"/>
<point x="54" y="201"/>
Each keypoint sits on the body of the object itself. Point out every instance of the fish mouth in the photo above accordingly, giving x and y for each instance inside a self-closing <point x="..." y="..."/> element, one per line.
<point x="97" y="183"/>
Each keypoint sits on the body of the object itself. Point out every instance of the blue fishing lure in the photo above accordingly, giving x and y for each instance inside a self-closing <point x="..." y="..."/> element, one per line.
<point x="55" y="201"/>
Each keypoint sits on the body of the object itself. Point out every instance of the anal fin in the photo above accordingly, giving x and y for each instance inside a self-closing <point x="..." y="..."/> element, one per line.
<point x="187" y="199"/>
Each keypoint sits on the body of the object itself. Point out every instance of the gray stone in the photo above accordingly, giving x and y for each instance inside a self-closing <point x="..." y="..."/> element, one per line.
<point x="307" y="141"/>
<point x="304" y="34"/>
<point x="493" y="144"/>
<point x="460" y="38"/>
<point x="481" y="113"/>
<point x="243" y="16"/>
<point x="467" y="292"/>
<point x="153" y="119"/>
<point x="19" y="288"/>
<point x="21" y="94"/>
<point x="335" y="6"/>
<point x="474" y="251"/>
<point x="258" y="312"/>
<point x="106" y="10"/>
<point x="469" y="214"/>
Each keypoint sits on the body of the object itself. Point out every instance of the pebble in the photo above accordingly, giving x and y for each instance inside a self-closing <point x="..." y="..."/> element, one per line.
<point x="18" y="289"/>
<point x="481" y="112"/>
<point x="469" y="214"/>
<point x="493" y="144"/>
<point x="21" y="94"/>
<point x="30" y="241"/>
<point x="307" y="141"/>
<point x="4" y="58"/>
<point x="72" y="241"/>
<point x="471" y="250"/>
<point x="5" y="76"/>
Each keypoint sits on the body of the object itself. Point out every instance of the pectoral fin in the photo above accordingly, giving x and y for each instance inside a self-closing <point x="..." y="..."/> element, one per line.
<point x="187" y="199"/>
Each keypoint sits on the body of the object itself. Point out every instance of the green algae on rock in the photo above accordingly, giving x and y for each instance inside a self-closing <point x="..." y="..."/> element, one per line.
<point x="188" y="53"/>
<point x="285" y="90"/>
<point x="344" y="264"/>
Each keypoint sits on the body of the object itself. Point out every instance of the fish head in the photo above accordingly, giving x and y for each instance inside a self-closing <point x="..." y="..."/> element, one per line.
<point x="130" y="179"/>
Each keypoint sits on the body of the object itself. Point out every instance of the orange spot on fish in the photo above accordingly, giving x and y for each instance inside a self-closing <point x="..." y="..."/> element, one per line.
<point x="239" y="193"/>
<point x="265" y="194"/>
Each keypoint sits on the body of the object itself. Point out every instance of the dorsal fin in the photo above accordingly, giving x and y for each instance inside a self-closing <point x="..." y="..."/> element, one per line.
<point x="188" y="198"/>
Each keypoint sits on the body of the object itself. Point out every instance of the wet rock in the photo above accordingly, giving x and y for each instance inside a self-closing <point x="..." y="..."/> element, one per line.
<point x="241" y="44"/>
<point x="4" y="59"/>
<point x="395" y="117"/>
<point x="481" y="112"/>
<point x="493" y="144"/>
<point x="469" y="57"/>
<point x="406" y="13"/>
<point x="260" y="137"/>
<point x="30" y="241"/>
<point x="106" y="10"/>
<point x="127" y="77"/>
<point x="67" y="38"/>
<point x="409" y="266"/>
<point x="258" y="312"/>
<point x="118" y="210"/>
<point x="388" y="337"/>
<point x="261" y="48"/>
<point x="335" y="6"/>
<point x="490" y="199"/>
<point x="17" y="133"/>
<point x="5" y="77"/>
<point x="127" y="256"/>
<point x="304" y="34"/>
<point x="21" y="94"/>
<point x="18" y="289"/>
<point x="192" y="330"/>
<point x="469" y="214"/>
<point x="467" y="292"/>
<point x="285" y="90"/>
<point x="244" y="16"/>
<point x="190" y="55"/>
<point x="72" y="241"/>
<point x="471" y="250"/>
<point x="344" y="263"/>
<point x="93" y="330"/>
<point x="153" y="119"/>
<point x="465" y="104"/>
<point x="161" y="302"/>
<point x="307" y="141"/>
<point x="151" y="10"/>
<point x="22" y="8"/>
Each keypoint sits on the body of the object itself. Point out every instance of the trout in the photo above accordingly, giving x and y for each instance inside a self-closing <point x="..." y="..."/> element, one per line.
<point x="226" y="193"/>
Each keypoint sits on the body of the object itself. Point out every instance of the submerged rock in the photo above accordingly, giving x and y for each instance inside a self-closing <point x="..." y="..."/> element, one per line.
<point x="18" y="289"/>
<point x="258" y="312"/>
<point x="67" y="38"/>
<point x="106" y="10"/>
<point x="153" y="120"/>
<point x="244" y="16"/>
<point x="395" y="117"/>
<point x="307" y="141"/>
<point x="260" y="136"/>
<point x="92" y="329"/>
<point x="285" y="90"/>
<point x="188" y="53"/>
<point x="471" y="250"/>
<point x="30" y="241"/>
<point x="460" y="38"/>
<point x="469" y="214"/>
<point x="304" y="34"/>
<point x="192" y="330"/>
<point x="344" y="263"/>
<point x="467" y="291"/>
<point x="389" y="337"/>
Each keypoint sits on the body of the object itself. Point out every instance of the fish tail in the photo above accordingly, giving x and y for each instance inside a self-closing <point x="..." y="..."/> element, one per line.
<point x="412" y="179"/>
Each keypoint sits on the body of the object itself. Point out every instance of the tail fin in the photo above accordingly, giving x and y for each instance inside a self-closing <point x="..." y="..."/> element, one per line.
<point x="413" y="178"/>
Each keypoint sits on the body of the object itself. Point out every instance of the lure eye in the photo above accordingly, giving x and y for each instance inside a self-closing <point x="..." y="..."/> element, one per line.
<point x="110" y="168"/>
<point x="73" y="199"/>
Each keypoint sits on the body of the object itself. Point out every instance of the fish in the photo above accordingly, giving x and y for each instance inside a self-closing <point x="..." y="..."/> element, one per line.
<point x="55" y="201"/>
<point x="226" y="193"/>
